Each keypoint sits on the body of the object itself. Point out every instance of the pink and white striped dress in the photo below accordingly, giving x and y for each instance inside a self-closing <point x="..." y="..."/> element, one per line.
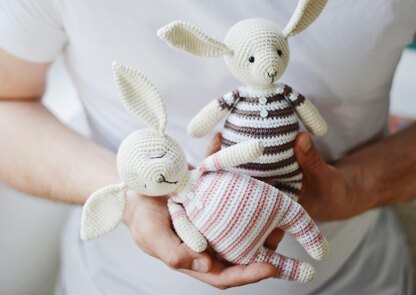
<point x="236" y="213"/>
<point x="270" y="117"/>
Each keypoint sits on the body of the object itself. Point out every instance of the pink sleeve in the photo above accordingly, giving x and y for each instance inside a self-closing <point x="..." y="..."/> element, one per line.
<point x="212" y="163"/>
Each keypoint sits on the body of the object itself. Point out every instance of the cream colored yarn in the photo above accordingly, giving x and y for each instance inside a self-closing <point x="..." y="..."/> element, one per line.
<point x="305" y="14"/>
<point x="140" y="97"/>
<point x="231" y="212"/>
<point x="105" y="205"/>
<point x="256" y="52"/>
<point x="148" y="161"/>
<point x="252" y="38"/>
<point x="191" y="39"/>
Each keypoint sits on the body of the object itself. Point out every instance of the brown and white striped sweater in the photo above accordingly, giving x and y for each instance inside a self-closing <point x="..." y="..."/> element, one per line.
<point x="271" y="117"/>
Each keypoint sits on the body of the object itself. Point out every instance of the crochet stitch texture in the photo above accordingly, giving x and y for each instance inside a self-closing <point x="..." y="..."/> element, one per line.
<point x="232" y="212"/>
<point x="256" y="52"/>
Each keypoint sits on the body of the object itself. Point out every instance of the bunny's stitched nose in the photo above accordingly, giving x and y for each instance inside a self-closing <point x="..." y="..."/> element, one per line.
<point x="161" y="178"/>
<point x="272" y="75"/>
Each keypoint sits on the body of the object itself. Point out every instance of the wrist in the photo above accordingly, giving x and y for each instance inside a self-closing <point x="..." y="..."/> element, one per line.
<point x="131" y="204"/>
<point x="358" y="185"/>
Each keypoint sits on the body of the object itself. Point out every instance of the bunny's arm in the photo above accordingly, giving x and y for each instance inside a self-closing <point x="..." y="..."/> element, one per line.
<point x="241" y="153"/>
<point x="186" y="231"/>
<point x="211" y="114"/>
<point x="306" y="111"/>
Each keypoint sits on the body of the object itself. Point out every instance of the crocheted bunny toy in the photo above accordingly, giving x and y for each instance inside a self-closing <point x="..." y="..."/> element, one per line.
<point x="256" y="52"/>
<point x="232" y="212"/>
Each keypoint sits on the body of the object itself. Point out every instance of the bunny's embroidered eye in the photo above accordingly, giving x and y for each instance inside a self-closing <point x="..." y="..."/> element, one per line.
<point x="279" y="52"/>
<point x="158" y="157"/>
<point x="251" y="59"/>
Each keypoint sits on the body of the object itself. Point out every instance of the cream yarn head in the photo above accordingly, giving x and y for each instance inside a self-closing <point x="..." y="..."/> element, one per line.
<point x="260" y="52"/>
<point x="148" y="161"/>
<point x="256" y="51"/>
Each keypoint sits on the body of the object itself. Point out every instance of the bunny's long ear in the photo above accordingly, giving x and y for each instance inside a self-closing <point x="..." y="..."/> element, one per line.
<point x="183" y="35"/>
<point x="140" y="97"/>
<point x="306" y="12"/>
<point x="103" y="211"/>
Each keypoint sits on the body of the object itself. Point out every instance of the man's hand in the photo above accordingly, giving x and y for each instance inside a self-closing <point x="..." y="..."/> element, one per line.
<point x="328" y="192"/>
<point x="150" y="225"/>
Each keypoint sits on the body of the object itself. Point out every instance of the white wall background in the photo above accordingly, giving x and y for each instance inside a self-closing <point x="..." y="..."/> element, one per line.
<point x="29" y="226"/>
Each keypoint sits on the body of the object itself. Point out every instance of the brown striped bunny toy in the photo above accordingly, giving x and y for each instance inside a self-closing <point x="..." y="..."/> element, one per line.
<point x="256" y="52"/>
<point x="232" y="212"/>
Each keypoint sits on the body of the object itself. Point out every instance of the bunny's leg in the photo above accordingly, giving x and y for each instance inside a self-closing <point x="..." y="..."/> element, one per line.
<point x="287" y="268"/>
<point x="186" y="231"/>
<point x="296" y="221"/>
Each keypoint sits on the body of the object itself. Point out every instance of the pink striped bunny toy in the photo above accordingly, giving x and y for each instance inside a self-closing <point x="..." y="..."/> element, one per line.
<point x="256" y="52"/>
<point x="232" y="212"/>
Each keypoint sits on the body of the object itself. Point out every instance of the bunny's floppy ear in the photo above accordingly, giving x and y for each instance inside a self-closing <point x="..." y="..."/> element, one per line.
<point x="140" y="97"/>
<point x="103" y="211"/>
<point x="306" y="12"/>
<point x="183" y="35"/>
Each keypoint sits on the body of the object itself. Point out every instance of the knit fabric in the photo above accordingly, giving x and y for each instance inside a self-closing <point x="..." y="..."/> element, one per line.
<point x="140" y="97"/>
<point x="262" y="41"/>
<point x="257" y="54"/>
<point x="232" y="212"/>
<point x="148" y="161"/>
<point x="105" y="205"/>
<point x="269" y="116"/>
<point x="306" y="12"/>
<point x="208" y="117"/>
<point x="187" y="37"/>
<point x="236" y="213"/>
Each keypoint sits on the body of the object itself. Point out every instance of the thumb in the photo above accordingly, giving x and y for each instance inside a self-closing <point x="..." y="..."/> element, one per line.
<point x="178" y="256"/>
<point x="308" y="157"/>
<point x="214" y="146"/>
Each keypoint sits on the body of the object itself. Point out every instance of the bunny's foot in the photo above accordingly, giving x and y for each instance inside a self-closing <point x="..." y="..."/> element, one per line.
<point x="287" y="268"/>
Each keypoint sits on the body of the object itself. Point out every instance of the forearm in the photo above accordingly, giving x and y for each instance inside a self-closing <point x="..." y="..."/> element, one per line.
<point x="384" y="172"/>
<point x="41" y="156"/>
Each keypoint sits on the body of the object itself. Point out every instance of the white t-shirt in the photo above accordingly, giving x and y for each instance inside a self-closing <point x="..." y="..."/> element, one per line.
<point x="344" y="63"/>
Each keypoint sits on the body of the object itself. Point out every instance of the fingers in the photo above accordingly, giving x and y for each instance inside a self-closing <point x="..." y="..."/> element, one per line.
<point x="308" y="157"/>
<point x="274" y="239"/>
<point x="169" y="248"/>
<point x="177" y="255"/>
<point x="151" y="229"/>
<point x="214" y="146"/>
<point x="223" y="276"/>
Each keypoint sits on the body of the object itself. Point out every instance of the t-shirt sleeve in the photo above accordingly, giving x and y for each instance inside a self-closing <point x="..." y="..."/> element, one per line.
<point x="31" y="29"/>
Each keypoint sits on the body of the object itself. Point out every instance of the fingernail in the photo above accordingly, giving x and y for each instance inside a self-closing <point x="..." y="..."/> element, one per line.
<point x="305" y="144"/>
<point x="199" y="265"/>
